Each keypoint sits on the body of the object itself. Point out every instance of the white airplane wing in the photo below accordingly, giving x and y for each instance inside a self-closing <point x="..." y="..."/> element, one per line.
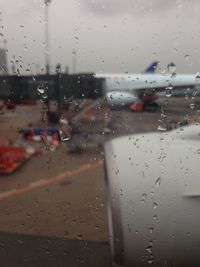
<point x="153" y="208"/>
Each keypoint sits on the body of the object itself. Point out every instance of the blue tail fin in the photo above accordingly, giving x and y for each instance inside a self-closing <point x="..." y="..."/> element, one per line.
<point x="152" y="67"/>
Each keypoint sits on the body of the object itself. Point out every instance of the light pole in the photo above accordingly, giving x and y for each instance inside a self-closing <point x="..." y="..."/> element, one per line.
<point x="74" y="60"/>
<point x="47" y="55"/>
<point x="5" y="51"/>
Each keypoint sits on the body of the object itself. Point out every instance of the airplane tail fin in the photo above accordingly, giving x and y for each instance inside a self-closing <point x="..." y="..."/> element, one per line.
<point x="152" y="67"/>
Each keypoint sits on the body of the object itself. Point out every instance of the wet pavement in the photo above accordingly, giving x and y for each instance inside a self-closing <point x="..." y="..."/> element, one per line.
<point x="44" y="251"/>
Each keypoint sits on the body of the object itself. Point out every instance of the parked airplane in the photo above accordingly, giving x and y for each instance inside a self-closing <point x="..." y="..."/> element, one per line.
<point x="124" y="89"/>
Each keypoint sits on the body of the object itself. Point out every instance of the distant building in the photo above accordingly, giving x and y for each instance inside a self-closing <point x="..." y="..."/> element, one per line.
<point x="3" y="62"/>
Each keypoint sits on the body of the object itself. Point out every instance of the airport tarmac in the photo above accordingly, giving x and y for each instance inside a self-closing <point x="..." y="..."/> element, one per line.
<point x="53" y="209"/>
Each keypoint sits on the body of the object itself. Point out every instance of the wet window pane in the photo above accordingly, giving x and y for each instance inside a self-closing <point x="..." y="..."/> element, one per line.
<point x="99" y="133"/>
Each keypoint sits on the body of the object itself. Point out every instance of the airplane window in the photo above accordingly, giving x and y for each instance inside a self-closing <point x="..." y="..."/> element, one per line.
<point x="99" y="133"/>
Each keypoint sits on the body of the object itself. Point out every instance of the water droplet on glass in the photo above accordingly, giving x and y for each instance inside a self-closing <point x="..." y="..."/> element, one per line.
<point x="151" y="230"/>
<point x="48" y="252"/>
<point x="169" y="90"/>
<point x="163" y="115"/>
<point x="192" y="105"/>
<point x="144" y="196"/>
<point x="187" y="96"/>
<point x="198" y="151"/>
<point x="155" y="205"/>
<point x="41" y="89"/>
<point x="44" y="96"/>
<point x="188" y="234"/>
<point x="171" y="67"/>
<point x="149" y="249"/>
<point x="155" y="217"/>
<point x="161" y="128"/>
<point x="63" y="121"/>
<point x="150" y="261"/>
<point x="179" y="3"/>
<point x="52" y="147"/>
<point x="187" y="57"/>
<point x="158" y="181"/>
<point x="173" y="75"/>
<point x="80" y="236"/>
<point x="64" y="137"/>
<point x="197" y="77"/>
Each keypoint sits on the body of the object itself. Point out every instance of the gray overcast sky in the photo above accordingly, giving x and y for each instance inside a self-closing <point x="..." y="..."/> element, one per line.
<point x="109" y="35"/>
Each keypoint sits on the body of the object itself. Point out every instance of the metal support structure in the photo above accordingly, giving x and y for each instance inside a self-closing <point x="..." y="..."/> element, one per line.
<point x="47" y="54"/>
<point x="74" y="53"/>
<point x="58" y="90"/>
<point x="5" y="63"/>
